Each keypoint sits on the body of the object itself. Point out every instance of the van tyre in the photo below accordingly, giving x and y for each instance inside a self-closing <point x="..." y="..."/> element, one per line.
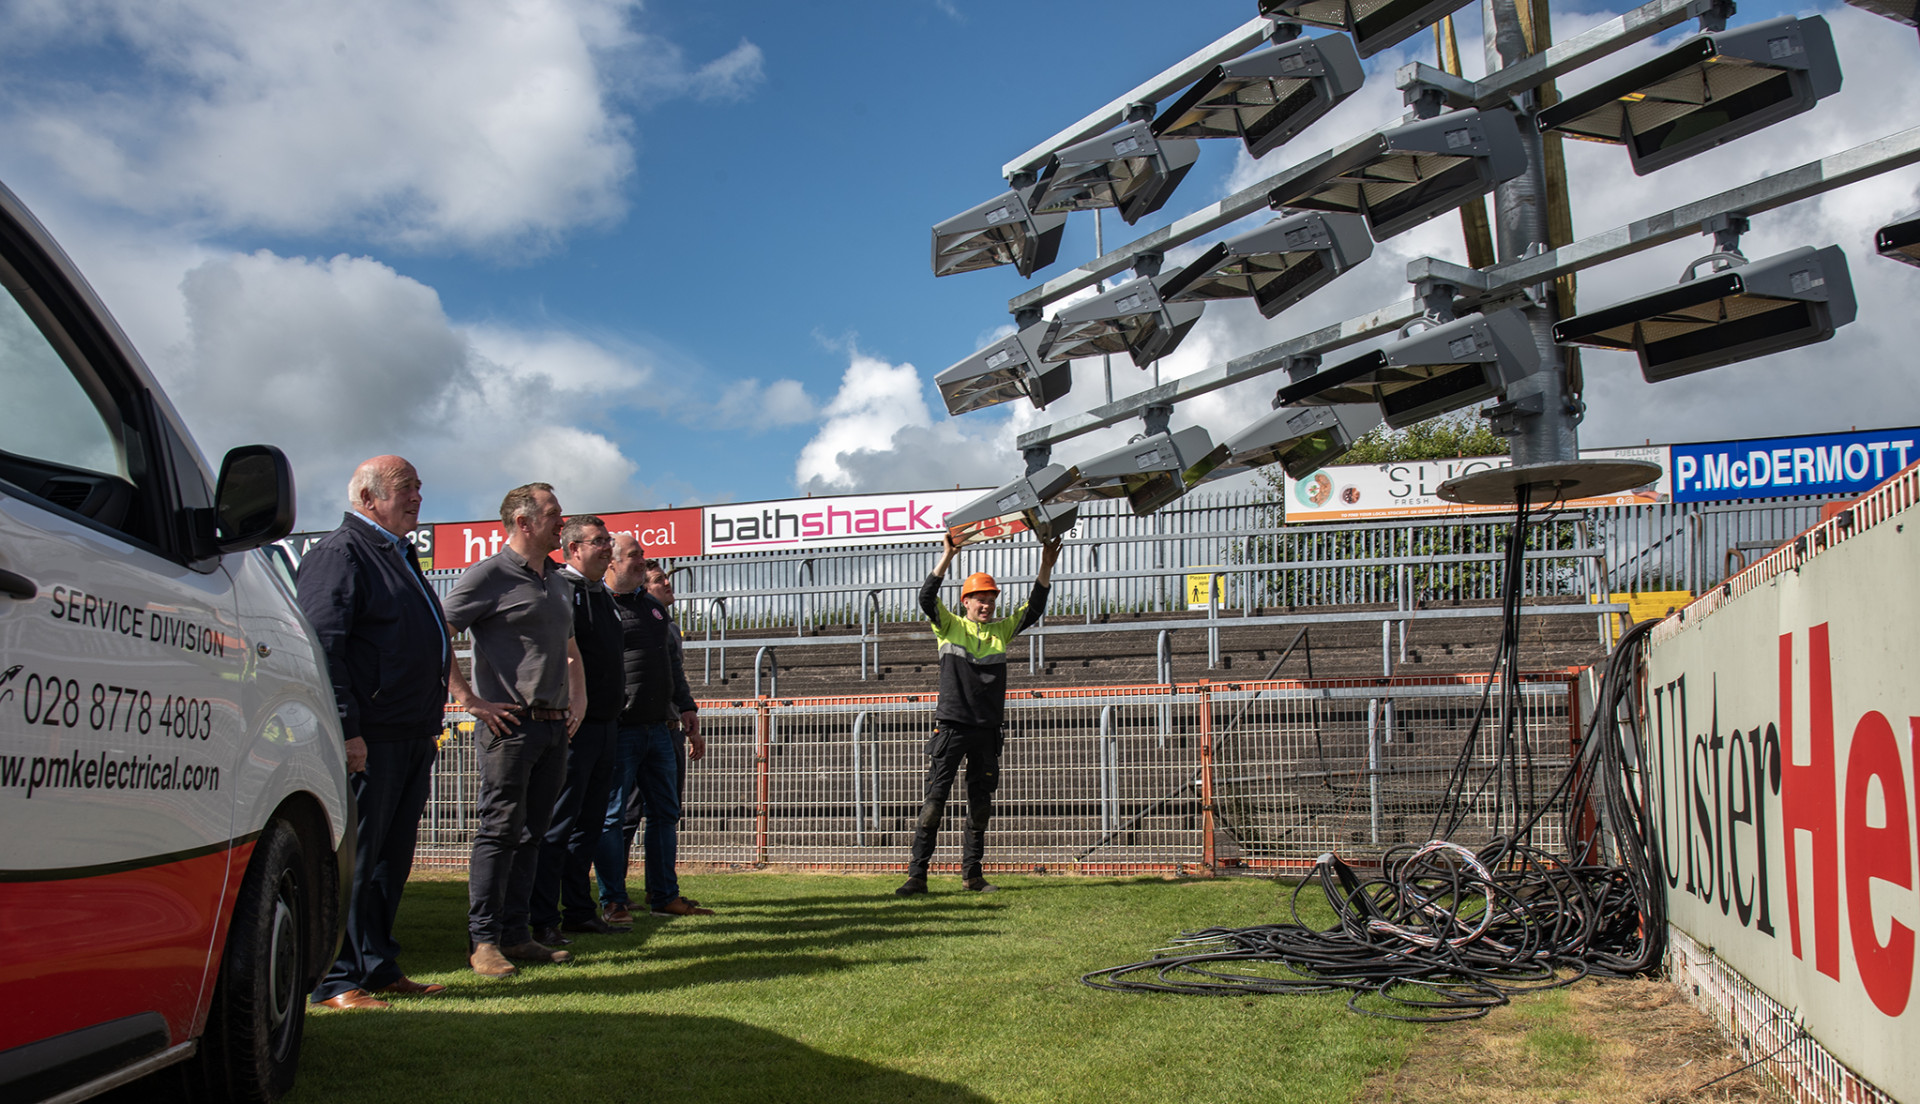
<point x="252" y="1044"/>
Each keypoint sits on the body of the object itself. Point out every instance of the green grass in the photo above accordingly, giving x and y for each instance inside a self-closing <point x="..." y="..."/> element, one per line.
<point x="817" y="987"/>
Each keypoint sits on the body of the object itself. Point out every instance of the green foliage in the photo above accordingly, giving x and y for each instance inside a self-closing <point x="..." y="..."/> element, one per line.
<point x="1448" y="437"/>
<point x="829" y="988"/>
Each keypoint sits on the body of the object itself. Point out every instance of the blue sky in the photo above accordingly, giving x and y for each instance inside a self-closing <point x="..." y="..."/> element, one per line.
<point x="677" y="252"/>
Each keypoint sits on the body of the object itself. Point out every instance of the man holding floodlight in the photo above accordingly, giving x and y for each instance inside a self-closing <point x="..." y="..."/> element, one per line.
<point x="973" y="696"/>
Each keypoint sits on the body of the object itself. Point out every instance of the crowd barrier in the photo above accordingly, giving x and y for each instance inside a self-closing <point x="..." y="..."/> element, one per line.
<point x="1176" y="778"/>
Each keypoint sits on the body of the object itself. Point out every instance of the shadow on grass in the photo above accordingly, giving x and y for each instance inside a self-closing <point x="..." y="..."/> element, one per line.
<point x="638" y="1057"/>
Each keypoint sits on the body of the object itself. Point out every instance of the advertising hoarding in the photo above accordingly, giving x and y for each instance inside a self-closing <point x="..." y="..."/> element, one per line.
<point x="1359" y="492"/>
<point x="296" y="544"/>
<point x="1779" y="467"/>
<point x="1784" y="751"/>
<point x="664" y="533"/>
<point x="846" y="521"/>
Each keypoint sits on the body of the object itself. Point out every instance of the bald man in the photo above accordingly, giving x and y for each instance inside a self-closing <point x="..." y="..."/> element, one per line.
<point x="384" y="636"/>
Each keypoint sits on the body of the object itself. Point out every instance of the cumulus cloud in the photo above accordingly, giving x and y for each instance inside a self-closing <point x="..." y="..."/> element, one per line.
<point x="344" y="358"/>
<point x="470" y="123"/>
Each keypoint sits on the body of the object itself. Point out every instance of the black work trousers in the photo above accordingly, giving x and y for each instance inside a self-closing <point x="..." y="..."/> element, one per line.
<point x="520" y="778"/>
<point x="561" y="890"/>
<point x="950" y="745"/>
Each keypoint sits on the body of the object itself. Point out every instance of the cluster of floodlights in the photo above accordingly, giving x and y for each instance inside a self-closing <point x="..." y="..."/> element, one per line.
<point x="1709" y="89"/>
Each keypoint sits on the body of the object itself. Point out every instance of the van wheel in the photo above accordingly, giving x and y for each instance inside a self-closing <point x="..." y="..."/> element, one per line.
<point x="252" y="1044"/>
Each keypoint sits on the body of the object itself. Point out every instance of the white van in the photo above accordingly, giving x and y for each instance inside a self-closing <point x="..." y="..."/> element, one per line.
<point x="175" y="830"/>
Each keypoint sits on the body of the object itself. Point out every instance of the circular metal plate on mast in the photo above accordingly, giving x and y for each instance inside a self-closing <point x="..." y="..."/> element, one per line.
<point x="1549" y="482"/>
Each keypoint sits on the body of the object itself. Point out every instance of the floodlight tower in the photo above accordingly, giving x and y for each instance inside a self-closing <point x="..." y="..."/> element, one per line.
<point x="1540" y="413"/>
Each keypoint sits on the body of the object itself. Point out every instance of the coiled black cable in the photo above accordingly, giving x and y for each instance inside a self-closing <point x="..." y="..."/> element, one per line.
<point x="1445" y="933"/>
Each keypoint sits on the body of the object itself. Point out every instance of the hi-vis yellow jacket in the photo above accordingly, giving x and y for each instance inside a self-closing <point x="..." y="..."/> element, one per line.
<point x="973" y="657"/>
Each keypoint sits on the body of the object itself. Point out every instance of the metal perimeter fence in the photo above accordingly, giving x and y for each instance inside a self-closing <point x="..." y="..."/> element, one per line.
<point x="1178" y="778"/>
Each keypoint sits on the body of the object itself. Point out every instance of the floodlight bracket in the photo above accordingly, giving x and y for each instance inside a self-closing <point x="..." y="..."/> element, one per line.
<point x="1428" y="90"/>
<point x="1425" y="270"/>
<point x="1284" y="31"/>
<point x="1726" y="230"/>
<point x="1714" y="18"/>
<point x="1148" y="264"/>
<point x="1437" y="296"/>
<point x="1140" y="111"/>
<point x="1722" y="261"/>
<point x="1299" y="368"/>
<point x="1025" y="178"/>
<point x="1524" y="401"/>
<point x="1028" y="316"/>
<point x="1037" y="457"/>
<point x="1155" y="418"/>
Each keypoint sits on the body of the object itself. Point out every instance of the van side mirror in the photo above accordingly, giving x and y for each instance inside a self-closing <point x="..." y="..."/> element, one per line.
<point x="254" y="503"/>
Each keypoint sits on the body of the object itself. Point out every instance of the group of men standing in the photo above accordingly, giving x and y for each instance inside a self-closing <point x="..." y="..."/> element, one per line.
<point x="578" y="681"/>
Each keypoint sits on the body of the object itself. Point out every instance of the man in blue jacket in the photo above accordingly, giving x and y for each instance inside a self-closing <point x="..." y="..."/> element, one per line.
<point x="384" y="636"/>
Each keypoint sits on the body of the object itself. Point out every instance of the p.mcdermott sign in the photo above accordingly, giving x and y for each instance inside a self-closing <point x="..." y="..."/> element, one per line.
<point x="1777" y="467"/>
<point x="846" y="521"/>
<point x="1783" y="759"/>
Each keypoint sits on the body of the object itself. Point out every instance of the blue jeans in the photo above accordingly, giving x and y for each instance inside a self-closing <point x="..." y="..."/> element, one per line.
<point x="650" y="762"/>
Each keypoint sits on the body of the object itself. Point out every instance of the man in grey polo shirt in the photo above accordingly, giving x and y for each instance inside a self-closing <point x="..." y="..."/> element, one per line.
<point x="529" y="693"/>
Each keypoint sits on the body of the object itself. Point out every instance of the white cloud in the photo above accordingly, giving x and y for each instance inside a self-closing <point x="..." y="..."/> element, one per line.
<point x="471" y="123"/>
<point x="751" y="404"/>
<point x="342" y="359"/>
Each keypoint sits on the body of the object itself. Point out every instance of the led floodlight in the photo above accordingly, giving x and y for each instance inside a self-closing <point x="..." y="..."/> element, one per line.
<point x="1003" y="230"/>
<point x="1277" y="265"/>
<point x="1150" y="472"/>
<point x="1133" y="319"/>
<point x="1266" y="97"/>
<point x="1710" y="89"/>
<point x="1400" y="177"/>
<point x="1008" y="369"/>
<point x="1374" y="24"/>
<point x="1301" y="439"/>
<point x="1020" y="505"/>
<point x="1900" y="11"/>
<point x="1126" y="168"/>
<point x="1900" y="240"/>
<point x="1442" y="368"/>
<point x="1758" y="307"/>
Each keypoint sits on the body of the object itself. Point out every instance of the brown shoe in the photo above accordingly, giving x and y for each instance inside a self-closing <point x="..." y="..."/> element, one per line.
<point x="535" y="952"/>
<point x="353" y="998"/>
<point x="619" y="914"/>
<point x="407" y="987"/>
<point x="487" y="961"/>
<point x="680" y="906"/>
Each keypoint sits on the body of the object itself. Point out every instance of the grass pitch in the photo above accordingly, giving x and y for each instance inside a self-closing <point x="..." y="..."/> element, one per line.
<point x="829" y="988"/>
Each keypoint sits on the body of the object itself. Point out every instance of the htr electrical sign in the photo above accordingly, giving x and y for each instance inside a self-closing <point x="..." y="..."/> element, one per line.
<point x="1783" y="740"/>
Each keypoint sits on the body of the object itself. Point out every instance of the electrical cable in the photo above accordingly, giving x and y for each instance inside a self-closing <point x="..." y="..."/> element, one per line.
<point x="1445" y="932"/>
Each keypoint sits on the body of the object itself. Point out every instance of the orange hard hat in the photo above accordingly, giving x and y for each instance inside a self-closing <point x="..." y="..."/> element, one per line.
<point x="977" y="582"/>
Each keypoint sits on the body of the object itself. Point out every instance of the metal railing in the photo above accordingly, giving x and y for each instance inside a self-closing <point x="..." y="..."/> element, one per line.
<point x="1173" y="777"/>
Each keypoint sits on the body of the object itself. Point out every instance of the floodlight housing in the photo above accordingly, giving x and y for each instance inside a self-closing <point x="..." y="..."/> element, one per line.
<point x="1710" y="89"/>
<point x="1445" y="367"/>
<point x="1758" y="307"/>
<point x="1020" y="505"/>
<point x="1374" y="24"/>
<point x="1132" y="318"/>
<point x="1276" y="265"/>
<point x="1150" y="472"/>
<point x="1004" y="230"/>
<point x="1008" y="369"/>
<point x="1402" y="176"/>
<point x="1900" y="240"/>
<point x="1127" y="168"/>
<point x="1302" y="440"/>
<point x="1267" y="96"/>
<point x="1900" y="11"/>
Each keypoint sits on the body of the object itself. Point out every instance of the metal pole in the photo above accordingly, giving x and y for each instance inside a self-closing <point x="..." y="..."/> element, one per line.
<point x="859" y="825"/>
<point x="1541" y="423"/>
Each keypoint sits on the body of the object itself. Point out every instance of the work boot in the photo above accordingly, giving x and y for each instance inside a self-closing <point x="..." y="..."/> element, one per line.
<point x="978" y="884"/>
<point x="487" y="961"/>
<point x="913" y="886"/>
<point x="550" y="936"/>
<point x="530" y="951"/>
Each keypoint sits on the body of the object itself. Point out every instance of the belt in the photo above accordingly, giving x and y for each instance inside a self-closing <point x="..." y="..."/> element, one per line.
<point x="538" y="714"/>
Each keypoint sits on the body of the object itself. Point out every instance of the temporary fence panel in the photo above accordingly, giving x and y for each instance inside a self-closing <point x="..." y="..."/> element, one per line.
<point x="1104" y="779"/>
